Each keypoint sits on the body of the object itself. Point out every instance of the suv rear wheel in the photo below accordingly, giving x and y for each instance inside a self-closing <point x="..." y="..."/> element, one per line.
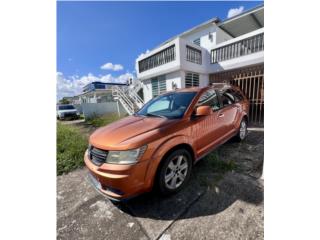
<point x="174" y="172"/>
<point x="243" y="130"/>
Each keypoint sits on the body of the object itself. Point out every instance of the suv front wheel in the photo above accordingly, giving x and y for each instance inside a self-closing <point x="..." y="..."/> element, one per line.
<point x="174" y="172"/>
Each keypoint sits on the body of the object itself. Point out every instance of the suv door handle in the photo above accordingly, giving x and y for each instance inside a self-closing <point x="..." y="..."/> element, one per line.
<point x="221" y="115"/>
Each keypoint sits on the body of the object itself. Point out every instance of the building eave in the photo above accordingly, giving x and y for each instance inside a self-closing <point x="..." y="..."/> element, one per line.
<point x="248" y="12"/>
<point x="214" y="20"/>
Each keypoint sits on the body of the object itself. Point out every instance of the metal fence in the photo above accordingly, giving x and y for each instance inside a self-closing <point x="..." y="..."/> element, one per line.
<point x="251" y="81"/>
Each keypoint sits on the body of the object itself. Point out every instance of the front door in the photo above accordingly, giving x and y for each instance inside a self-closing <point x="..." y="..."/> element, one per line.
<point x="206" y="130"/>
<point x="229" y="112"/>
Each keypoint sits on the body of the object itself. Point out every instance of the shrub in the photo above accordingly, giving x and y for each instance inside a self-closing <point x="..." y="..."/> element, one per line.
<point x="100" y="121"/>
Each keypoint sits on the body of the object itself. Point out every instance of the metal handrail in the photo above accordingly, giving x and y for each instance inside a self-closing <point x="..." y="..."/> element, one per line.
<point x="136" y="98"/>
<point x="116" y="91"/>
<point x="129" y="97"/>
<point x="132" y="92"/>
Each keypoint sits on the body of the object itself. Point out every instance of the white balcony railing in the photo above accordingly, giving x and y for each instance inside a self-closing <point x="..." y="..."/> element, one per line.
<point x="162" y="57"/>
<point x="239" y="48"/>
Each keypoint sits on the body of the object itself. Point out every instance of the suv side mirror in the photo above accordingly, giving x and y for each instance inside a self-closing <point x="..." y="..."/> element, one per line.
<point x="203" y="111"/>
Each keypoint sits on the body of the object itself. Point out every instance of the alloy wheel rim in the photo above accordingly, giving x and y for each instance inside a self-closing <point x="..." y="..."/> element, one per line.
<point x="243" y="130"/>
<point x="176" y="172"/>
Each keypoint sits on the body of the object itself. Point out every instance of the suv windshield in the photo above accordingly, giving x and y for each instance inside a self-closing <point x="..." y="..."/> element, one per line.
<point x="171" y="105"/>
<point x="66" y="107"/>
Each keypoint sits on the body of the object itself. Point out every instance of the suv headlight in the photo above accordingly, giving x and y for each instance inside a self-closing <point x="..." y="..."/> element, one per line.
<point x="125" y="157"/>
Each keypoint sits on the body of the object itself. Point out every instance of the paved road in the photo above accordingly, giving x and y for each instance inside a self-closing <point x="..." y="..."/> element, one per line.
<point x="212" y="206"/>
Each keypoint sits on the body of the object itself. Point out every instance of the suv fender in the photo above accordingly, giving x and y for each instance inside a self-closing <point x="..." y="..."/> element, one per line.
<point x="161" y="151"/>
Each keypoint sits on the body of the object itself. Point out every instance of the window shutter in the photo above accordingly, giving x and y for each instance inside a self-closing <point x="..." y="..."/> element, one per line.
<point x="192" y="80"/>
<point x="197" y="41"/>
<point x="158" y="85"/>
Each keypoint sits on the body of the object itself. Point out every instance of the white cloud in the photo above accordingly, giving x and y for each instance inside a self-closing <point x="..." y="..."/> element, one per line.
<point x="235" y="11"/>
<point x="142" y="54"/>
<point x="111" y="66"/>
<point x="71" y="86"/>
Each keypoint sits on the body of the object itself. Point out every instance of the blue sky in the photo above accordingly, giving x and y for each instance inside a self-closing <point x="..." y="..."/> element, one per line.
<point x="114" y="34"/>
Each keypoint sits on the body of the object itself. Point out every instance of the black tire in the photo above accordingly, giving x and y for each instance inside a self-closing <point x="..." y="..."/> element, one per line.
<point x="242" y="135"/>
<point x="165" y="170"/>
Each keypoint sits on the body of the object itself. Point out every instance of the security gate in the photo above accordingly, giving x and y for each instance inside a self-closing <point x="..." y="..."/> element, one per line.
<point x="251" y="81"/>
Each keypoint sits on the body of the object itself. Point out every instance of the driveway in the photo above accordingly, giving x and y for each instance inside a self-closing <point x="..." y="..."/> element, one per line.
<point x="214" y="205"/>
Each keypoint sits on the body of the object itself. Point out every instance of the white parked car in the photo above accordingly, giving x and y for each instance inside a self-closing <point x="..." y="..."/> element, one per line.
<point x="67" y="111"/>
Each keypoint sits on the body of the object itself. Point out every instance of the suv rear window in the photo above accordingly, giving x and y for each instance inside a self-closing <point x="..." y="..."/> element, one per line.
<point x="237" y="95"/>
<point x="66" y="107"/>
<point x="230" y="96"/>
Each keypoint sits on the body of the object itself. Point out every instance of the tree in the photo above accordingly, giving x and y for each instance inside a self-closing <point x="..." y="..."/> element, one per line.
<point x="64" y="101"/>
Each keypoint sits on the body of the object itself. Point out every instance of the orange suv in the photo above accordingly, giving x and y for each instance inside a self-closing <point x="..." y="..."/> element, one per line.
<point x="159" y="144"/>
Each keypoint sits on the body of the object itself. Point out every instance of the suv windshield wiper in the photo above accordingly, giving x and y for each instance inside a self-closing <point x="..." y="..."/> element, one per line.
<point x="154" y="115"/>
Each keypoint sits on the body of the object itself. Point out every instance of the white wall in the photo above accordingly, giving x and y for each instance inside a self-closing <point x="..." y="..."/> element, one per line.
<point x="222" y="36"/>
<point x="178" y="77"/>
<point x="147" y="90"/>
<point x="170" y="78"/>
<point x="162" y="69"/>
<point x="190" y="66"/>
<point x="203" y="34"/>
<point x="180" y="42"/>
<point x="243" y="61"/>
<point x="92" y="109"/>
<point x="78" y="107"/>
<point x="175" y="71"/>
<point x="173" y="77"/>
<point x="204" y="80"/>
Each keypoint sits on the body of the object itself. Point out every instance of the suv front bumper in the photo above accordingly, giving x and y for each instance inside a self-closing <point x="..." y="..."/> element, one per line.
<point x="117" y="181"/>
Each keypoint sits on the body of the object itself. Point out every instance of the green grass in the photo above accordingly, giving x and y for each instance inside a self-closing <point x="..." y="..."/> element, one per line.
<point x="99" y="121"/>
<point x="217" y="167"/>
<point x="71" y="145"/>
<point x="220" y="166"/>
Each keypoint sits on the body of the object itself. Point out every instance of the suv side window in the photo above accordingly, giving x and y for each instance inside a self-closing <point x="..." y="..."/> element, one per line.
<point x="227" y="98"/>
<point x="236" y="94"/>
<point x="209" y="98"/>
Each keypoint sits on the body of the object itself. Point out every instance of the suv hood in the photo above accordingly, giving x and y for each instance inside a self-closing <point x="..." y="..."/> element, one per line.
<point x="115" y="134"/>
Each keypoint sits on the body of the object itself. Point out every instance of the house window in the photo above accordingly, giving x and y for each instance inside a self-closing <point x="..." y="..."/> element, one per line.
<point x="197" y="41"/>
<point x="192" y="80"/>
<point x="193" y="55"/>
<point x="158" y="85"/>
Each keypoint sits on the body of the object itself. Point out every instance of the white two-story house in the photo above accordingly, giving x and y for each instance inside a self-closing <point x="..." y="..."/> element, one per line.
<point x="215" y="51"/>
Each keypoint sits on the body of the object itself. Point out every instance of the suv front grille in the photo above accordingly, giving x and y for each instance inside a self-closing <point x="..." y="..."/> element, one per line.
<point x="70" y="114"/>
<point x="97" y="156"/>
